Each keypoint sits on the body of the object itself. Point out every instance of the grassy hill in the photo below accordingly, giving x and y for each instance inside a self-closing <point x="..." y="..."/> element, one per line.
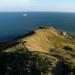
<point x="51" y="49"/>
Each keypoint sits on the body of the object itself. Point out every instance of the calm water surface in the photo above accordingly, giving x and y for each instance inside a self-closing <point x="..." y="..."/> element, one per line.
<point x="14" y="24"/>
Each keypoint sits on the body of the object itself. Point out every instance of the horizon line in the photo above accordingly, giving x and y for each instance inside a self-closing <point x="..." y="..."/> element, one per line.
<point x="40" y="11"/>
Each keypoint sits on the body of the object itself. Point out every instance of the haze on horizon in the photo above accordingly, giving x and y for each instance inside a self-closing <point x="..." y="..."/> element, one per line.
<point x="37" y="5"/>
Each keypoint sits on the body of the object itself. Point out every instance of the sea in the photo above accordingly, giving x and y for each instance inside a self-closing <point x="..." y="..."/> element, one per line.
<point x="14" y="24"/>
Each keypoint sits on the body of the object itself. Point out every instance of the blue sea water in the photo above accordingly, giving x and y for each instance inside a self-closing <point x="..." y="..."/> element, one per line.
<point x="13" y="24"/>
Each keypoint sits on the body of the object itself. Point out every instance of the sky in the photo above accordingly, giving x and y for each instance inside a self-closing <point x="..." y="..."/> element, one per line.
<point x="37" y="5"/>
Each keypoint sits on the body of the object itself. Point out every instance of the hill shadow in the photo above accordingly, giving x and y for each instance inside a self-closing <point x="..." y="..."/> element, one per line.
<point x="29" y="63"/>
<point x="20" y="63"/>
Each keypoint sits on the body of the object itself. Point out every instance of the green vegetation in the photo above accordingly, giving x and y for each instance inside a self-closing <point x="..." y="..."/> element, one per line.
<point x="45" y="51"/>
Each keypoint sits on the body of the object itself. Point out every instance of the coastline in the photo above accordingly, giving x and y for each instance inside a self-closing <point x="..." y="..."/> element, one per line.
<point x="32" y="32"/>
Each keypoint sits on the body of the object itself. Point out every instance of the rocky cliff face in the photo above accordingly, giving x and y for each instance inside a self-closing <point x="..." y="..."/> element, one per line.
<point x="52" y="52"/>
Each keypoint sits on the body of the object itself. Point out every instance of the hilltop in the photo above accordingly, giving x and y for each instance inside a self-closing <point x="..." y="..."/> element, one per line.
<point x="48" y="43"/>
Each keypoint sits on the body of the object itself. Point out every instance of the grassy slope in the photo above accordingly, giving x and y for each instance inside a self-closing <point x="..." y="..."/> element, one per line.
<point x="52" y="42"/>
<point x="47" y="41"/>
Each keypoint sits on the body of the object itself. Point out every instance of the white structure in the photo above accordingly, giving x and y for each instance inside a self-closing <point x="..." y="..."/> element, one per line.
<point x="25" y="14"/>
<point x="64" y="33"/>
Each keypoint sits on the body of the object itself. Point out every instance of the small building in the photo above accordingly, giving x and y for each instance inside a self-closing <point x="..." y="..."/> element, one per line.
<point x="64" y="33"/>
